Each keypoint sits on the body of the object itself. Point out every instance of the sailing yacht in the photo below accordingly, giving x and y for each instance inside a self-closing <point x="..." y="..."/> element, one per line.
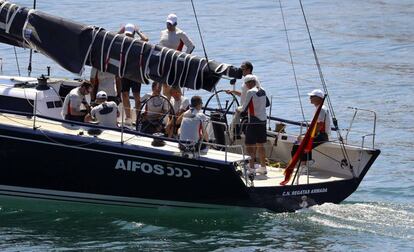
<point x="45" y="157"/>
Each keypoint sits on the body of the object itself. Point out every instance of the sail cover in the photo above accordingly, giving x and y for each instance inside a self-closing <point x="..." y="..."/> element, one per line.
<point x="74" y="45"/>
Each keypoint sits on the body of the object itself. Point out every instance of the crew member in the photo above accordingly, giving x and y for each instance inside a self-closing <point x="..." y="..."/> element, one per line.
<point x="323" y="129"/>
<point x="255" y="105"/>
<point x="75" y="106"/>
<point x="106" y="112"/>
<point x="193" y="126"/>
<point x="127" y="84"/>
<point x="247" y="68"/>
<point x="105" y="81"/>
<point x="180" y="104"/>
<point x="174" y="38"/>
<point x="155" y="109"/>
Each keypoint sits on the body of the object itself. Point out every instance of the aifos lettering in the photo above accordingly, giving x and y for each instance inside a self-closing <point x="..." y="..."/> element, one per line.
<point x="135" y="166"/>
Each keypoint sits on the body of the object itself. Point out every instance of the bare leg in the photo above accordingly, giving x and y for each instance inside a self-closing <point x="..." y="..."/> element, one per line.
<point x="126" y="104"/>
<point x="262" y="154"/>
<point x="251" y="150"/>
<point x="137" y="99"/>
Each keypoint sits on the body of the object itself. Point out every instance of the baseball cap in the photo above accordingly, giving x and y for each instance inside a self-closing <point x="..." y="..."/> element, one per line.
<point x="250" y="77"/>
<point x="317" y="92"/>
<point x="129" y="29"/>
<point x="172" y="19"/>
<point x="101" y="95"/>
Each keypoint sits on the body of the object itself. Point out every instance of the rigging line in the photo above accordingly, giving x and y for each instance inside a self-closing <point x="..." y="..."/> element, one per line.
<point x="17" y="60"/>
<point x="291" y="60"/>
<point x="205" y="51"/>
<point x="335" y="122"/>
<point x="199" y="32"/>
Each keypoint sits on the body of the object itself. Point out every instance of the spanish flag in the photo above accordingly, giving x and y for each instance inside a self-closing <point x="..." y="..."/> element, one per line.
<point x="304" y="147"/>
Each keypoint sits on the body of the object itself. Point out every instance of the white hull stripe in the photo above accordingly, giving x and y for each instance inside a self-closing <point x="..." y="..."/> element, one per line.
<point x="107" y="152"/>
<point x="98" y="198"/>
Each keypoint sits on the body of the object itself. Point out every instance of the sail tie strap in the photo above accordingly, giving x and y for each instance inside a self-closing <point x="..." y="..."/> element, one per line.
<point x="146" y="69"/>
<point x="108" y="52"/>
<point x="188" y="69"/>
<point x="94" y="35"/>
<point x="126" y="56"/>
<point x="102" y="63"/>
<point x="9" y="22"/>
<point x="186" y="64"/>
<point x="121" y="56"/>
<point x="176" y="67"/>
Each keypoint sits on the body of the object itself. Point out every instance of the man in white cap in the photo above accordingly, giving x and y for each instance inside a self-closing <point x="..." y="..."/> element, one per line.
<point x="174" y="38"/>
<point x="106" y="112"/>
<point x="255" y="105"/>
<point x="323" y="129"/>
<point x="247" y="68"/>
<point x="126" y="84"/>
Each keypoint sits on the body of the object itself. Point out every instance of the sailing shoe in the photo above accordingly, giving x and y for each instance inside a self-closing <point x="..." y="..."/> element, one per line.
<point x="262" y="170"/>
<point x="128" y="121"/>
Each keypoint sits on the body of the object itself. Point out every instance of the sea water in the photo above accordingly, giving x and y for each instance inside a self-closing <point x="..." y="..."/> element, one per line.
<point x="366" y="52"/>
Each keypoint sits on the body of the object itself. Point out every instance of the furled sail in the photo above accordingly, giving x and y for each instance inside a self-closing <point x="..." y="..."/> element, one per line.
<point x="74" y="45"/>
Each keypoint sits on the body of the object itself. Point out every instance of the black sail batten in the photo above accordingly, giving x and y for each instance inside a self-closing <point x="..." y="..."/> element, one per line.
<point x="73" y="45"/>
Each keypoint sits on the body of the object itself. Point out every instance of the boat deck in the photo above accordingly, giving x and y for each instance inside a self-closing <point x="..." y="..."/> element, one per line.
<point x="114" y="137"/>
<point x="276" y="175"/>
<point x="273" y="178"/>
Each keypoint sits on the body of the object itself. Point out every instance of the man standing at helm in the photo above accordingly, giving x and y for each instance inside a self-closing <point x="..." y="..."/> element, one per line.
<point x="174" y="38"/>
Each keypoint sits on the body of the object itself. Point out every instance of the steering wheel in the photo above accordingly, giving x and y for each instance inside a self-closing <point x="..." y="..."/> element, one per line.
<point x="170" y="111"/>
<point x="224" y="110"/>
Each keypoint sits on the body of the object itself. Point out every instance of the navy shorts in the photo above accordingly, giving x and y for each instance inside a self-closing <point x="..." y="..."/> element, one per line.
<point x="255" y="131"/>
<point x="128" y="84"/>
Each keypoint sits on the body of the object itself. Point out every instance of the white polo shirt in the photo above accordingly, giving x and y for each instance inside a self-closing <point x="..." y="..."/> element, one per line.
<point x="191" y="126"/>
<point x="106" y="81"/>
<point x="155" y="107"/>
<point x="182" y="104"/>
<point x="106" y="113"/>
<point x="255" y="103"/>
<point x="324" y="116"/>
<point x="176" y="40"/>
<point x="73" y="102"/>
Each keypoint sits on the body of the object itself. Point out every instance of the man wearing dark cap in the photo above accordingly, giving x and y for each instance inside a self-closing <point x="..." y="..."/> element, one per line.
<point x="193" y="125"/>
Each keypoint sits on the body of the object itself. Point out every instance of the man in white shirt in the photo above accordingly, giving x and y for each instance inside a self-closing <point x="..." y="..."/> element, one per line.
<point x="75" y="106"/>
<point x="174" y="38"/>
<point x="193" y="126"/>
<point x="323" y="129"/>
<point x="255" y="106"/>
<point x="106" y="112"/>
<point x="104" y="81"/>
<point x="247" y="68"/>
<point x="180" y="104"/>
<point x="155" y="110"/>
